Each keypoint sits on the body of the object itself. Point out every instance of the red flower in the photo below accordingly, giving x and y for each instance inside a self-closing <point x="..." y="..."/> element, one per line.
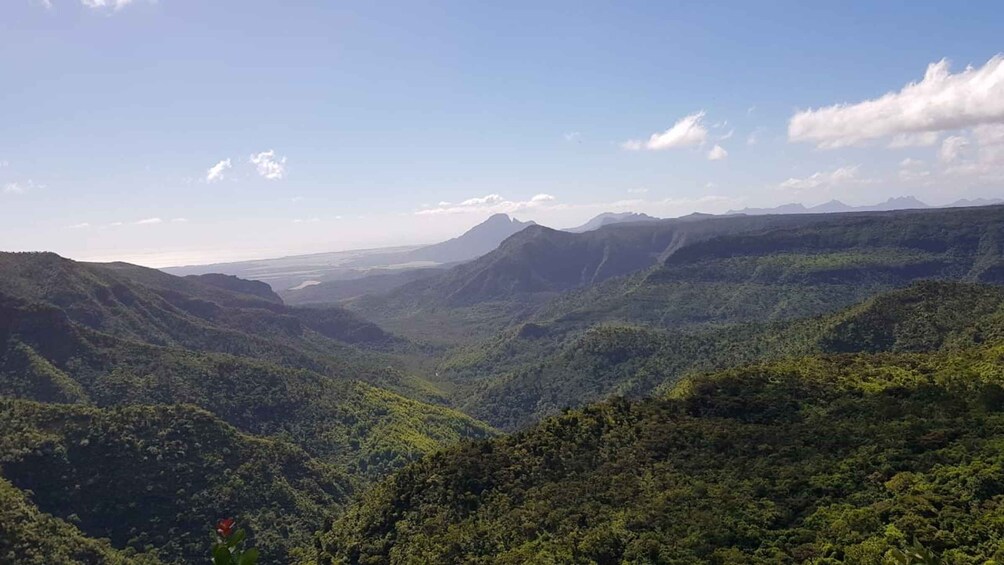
<point x="224" y="527"/>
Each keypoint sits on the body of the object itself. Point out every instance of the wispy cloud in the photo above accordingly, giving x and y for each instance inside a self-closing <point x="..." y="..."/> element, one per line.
<point x="573" y="136"/>
<point x="491" y="203"/>
<point x="687" y="131"/>
<point x="149" y="221"/>
<point x="822" y="180"/>
<point x="79" y="226"/>
<point x="216" y="172"/>
<point x="637" y="190"/>
<point x="953" y="148"/>
<point x="717" y="153"/>
<point x="923" y="139"/>
<point x="913" y="170"/>
<point x="306" y="220"/>
<point x="940" y="102"/>
<point x="268" y="165"/>
<point x="100" y="4"/>
<point x="21" y="187"/>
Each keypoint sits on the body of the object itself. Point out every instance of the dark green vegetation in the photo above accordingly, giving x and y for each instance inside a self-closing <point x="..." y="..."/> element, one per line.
<point x="91" y="341"/>
<point x="775" y="389"/>
<point x="815" y="460"/>
<point x="156" y="477"/>
<point x="540" y="369"/>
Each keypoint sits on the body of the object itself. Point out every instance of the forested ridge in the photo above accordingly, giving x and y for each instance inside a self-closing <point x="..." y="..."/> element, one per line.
<point x="139" y="407"/>
<point x="814" y="389"/>
<point x="826" y="459"/>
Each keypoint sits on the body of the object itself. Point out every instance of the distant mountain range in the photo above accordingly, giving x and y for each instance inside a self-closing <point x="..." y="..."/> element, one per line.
<point x="337" y="276"/>
<point x="835" y="206"/>
<point x="608" y="218"/>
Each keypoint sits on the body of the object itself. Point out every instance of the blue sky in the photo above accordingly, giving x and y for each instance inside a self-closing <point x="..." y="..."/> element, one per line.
<point x="183" y="131"/>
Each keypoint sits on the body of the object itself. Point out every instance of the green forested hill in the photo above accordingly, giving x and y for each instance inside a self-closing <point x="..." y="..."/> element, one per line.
<point x="815" y="460"/>
<point x="155" y="478"/>
<point x="538" y="369"/>
<point x="47" y="357"/>
<point x="32" y="537"/>
<point x="121" y="356"/>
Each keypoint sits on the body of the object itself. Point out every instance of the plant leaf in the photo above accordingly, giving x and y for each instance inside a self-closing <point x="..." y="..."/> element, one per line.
<point x="249" y="557"/>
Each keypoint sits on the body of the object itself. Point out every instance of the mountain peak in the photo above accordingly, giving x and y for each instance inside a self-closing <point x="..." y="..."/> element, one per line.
<point x="607" y="218"/>
<point x="499" y="217"/>
<point x="475" y="242"/>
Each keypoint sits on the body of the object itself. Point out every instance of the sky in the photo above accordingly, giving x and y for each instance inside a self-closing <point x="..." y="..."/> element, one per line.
<point x="176" y="132"/>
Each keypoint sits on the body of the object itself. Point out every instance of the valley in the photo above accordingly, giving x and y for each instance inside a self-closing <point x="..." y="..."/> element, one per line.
<point x="204" y="387"/>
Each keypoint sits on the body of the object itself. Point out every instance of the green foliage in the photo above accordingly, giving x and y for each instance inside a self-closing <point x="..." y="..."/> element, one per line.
<point x="814" y="460"/>
<point x="149" y="478"/>
<point x="30" y="537"/>
<point x="124" y="355"/>
<point x="523" y="376"/>
<point x="916" y="554"/>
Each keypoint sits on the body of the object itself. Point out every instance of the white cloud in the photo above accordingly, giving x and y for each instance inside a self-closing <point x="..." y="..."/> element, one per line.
<point x="21" y="187"/>
<point x="79" y="226"/>
<point x="976" y="159"/>
<point x="306" y="220"/>
<point x="687" y="131"/>
<point x="98" y="4"/>
<point x="727" y="136"/>
<point x="823" y="180"/>
<point x="4" y="164"/>
<point x="491" y="203"/>
<point x="268" y="165"/>
<point x="913" y="170"/>
<point x="941" y="101"/>
<point x="149" y="221"/>
<point x="924" y="139"/>
<point x="488" y="200"/>
<point x="717" y="153"/>
<point x="952" y="148"/>
<point x="216" y="172"/>
<point x="637" y="190"/>
<point x="573" y="136"/>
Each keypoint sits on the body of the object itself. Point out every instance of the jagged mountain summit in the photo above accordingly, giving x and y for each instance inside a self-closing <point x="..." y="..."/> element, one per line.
<point x="608" y="218"/>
